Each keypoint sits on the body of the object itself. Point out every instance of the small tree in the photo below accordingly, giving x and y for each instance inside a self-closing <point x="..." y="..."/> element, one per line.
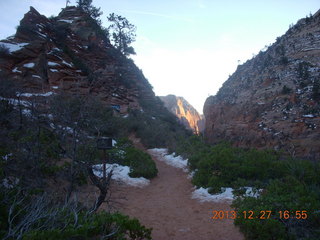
<point x="86" y="5"/>
<point x="122" y="33"/>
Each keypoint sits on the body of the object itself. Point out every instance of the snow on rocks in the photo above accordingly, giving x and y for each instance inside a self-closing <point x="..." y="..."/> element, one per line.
<point x="308" y="116"/>
<point x="17" y="102"/>
<point x="15" y="70"/>
<point x="170" y="159"/>
<point x="203" y="195"/>
<point x="13" y="47"/>
<point x="53" y="64"/>
<point x="47" y="94"/>
<point x="36" y="76"/>
<point x="29" y="65"/>
<point x="67" y="64"/>
<point x="120" y="173"/>
<point x="65" y="20"/>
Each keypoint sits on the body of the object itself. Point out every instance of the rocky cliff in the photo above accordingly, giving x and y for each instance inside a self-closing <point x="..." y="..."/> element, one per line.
<point x="272" y="100"/>
<point x="187" y="114"/>
<point x="71" y="53"/>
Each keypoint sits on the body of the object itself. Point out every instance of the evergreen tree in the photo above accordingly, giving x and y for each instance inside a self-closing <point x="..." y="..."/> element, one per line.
<point x="94" y="12"/>
<point x="122" y="33"/>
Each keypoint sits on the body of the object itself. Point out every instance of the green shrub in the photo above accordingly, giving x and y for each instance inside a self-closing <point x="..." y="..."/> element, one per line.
<point x="288" y="194"/>
<point x="223" y="165"/>
<point x="141" y="163"/>
<point x="42" y="218"/>
<point x="97" y="225"/>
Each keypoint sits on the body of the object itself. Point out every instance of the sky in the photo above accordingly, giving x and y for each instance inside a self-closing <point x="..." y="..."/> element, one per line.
<point x="186" y="47"/>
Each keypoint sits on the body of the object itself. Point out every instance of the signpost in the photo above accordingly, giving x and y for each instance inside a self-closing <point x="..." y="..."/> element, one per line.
<point x="104" y="143"/>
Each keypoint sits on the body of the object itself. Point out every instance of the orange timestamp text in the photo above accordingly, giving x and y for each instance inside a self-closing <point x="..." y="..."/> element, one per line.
<point x="263" y="214"/>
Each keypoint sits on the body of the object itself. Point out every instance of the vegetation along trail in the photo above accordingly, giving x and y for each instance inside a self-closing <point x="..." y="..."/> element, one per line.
<point x="166" y="206"/>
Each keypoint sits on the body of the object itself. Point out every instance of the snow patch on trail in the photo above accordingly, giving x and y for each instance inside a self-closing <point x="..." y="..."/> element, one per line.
<point x="203" y="195"/>
<point x="170" y="159"/>
<point x="200" y="194"/>
<point x="120" y="173"/>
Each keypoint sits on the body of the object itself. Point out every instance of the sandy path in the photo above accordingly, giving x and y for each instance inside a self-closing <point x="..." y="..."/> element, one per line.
<point x="166" y="206"/>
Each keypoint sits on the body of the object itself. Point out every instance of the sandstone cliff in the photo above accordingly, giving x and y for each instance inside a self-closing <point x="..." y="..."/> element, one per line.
<point x="71" y="53"/>
<point x="272" y="100"/>
<point x="187" y="114"/>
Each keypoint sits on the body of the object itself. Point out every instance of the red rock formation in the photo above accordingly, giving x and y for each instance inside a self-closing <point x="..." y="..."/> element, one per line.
<point x="71" y="53"/>
<point x="272" y="100"/>
<point x="187" y="114"/>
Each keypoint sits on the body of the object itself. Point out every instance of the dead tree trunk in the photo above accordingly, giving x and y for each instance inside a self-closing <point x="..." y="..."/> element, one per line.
<point x="103" y="185"/>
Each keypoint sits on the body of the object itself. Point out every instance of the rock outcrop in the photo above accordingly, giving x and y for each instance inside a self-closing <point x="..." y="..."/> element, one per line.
<point x="272" y="100"/>
<point x="186" y="113"/>
<point x="71" y="53"/>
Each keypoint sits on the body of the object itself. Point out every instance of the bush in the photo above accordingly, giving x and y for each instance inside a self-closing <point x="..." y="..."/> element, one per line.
<point x="140" y="163"/>
<point x="288" y="194"/>
<point x="41" y="218"/>
<point x="223" y="165"/>
<point x="116" y="225"/>
<point x="288" y="185"/>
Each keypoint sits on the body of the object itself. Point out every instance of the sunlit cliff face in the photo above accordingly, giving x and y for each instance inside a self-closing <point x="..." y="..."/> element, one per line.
<point x="185" y="112"/>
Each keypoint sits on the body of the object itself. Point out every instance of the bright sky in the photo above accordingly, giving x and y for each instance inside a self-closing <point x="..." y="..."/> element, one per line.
<point x="186" y="47"/>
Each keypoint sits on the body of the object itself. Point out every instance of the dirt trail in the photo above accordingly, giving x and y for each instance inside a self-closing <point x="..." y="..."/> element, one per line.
<point x="166" y="206"/>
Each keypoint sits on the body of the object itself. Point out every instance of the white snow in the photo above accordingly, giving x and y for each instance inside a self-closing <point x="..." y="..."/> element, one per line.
<point x="16" y="102"/>
<point x="53" y="70"/>
<point x="203" y="195"/>
<point x="40" y="26"/>
<point x="55" y="49"/>
<point x="68" y="64"/>
<point x="42" y="35"/>
<point x="27" y="112"/>
<point x="172" y="160"/>
<point x="47" y="94"/>
<point x="13" y="47"/>
<point x="36" y="76"/>
<point x="6" y="157"/>
<point x="120" y="173"/>
<point x="15" y="70"/>
<point x="53" y="64"/>
<point x="29" y="65"/>
<point x="65" y="20"/>
<point x="55" y="87"/>
<point x="308" y="116"/>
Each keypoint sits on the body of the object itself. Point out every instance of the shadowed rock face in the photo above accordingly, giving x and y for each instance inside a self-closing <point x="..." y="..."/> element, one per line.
<point x="70" y="53"/>
<point x="187" y="114"/>
<point x="272" y="100"/>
